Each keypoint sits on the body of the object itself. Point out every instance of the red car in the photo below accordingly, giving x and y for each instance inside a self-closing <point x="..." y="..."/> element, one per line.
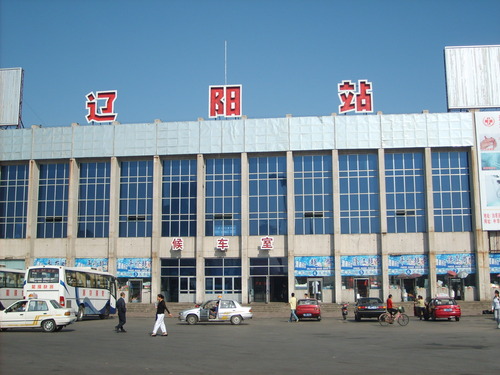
<point x="442" y="308"/>
<point x="308" y="309"/>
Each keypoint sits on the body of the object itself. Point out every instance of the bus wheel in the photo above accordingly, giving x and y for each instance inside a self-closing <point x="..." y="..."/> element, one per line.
<point x="49" y="325"/>
<point x="81" y="312"/>
<point x="105" y="315"/>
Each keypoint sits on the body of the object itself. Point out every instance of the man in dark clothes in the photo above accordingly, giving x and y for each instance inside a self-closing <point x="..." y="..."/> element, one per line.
<point x="122" y="310"/>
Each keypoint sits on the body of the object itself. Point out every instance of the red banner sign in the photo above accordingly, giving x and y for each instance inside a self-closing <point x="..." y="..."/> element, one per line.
<point x="224" y="101"/>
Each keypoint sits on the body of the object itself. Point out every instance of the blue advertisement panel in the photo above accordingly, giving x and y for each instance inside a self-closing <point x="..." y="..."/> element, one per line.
<point x="495" y="263"/>
<point x="49" y="262"/>
<point x="408" y="264"/>
<point x="100" y="264"/>
<point x="314" y="266"/>
<point x="133" y="267"/>
<point x="360" y="265"/>
<point x="455" y="263"/>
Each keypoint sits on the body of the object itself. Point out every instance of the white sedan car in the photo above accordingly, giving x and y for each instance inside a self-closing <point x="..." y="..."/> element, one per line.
<point x="36" y="313"/>
<point x="219" y="310"/>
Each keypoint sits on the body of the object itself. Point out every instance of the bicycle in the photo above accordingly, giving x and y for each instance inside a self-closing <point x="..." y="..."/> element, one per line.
<point x="387" y="318"/>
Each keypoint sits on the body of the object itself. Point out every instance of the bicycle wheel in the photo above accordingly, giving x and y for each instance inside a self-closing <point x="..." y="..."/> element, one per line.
<point x="384" y="319"/>
<point x="403" y="319"/>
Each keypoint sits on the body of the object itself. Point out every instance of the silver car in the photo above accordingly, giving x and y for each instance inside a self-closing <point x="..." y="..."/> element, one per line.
<point x="217" y="310"/>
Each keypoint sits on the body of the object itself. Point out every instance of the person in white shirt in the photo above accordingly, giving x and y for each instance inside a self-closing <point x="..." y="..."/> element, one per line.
<point x="495" y="307"/>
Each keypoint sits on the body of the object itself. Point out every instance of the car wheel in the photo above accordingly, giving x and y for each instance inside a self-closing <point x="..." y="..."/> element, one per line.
<point x="80" y="313"/>
<point x="457" y="318"/>
<point x="192" y="319"/>
<point x="236" y="319"/>
<point x="49" y="325"/>
<point x="433" y="316"/>
<point x="319" y="318"/>
<point x="357" y="318"/>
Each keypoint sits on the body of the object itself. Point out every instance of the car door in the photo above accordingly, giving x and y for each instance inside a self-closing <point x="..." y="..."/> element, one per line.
<point x="226" y="309"/>
<point x="14" y="315"/>
<point x="35" y="313"/>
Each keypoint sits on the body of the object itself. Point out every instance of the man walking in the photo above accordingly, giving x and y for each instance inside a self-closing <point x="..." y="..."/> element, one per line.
<point x="293" y="307"/>
<point x="495" y="307"/>
<point x="122" y="311"/>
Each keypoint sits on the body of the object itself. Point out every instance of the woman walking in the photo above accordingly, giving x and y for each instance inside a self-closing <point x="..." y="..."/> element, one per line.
<point x="160" y="316"/>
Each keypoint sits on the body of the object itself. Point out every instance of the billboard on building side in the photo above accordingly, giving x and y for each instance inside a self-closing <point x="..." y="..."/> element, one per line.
<point x="11" y="86"/>
<point x="472" y="76"/>
<point x="488" y="149"/>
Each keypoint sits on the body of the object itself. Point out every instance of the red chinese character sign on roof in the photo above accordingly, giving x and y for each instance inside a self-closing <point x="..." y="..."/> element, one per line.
<point x="224" y="101"/>
<point x="222" y="244"/>
<point x="104" y="112"/>
<point x="177" y="244"/>
<point x="360" y="101"/>
<point x="266" y="243"/>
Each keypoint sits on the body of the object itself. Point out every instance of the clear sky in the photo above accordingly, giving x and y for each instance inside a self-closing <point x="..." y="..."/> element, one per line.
<point x="289" y="56"/>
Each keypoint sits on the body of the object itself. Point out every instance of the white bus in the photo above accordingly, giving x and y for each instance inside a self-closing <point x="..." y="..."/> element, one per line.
<point x="11" y="285"/>
<point x="85" y="290"/>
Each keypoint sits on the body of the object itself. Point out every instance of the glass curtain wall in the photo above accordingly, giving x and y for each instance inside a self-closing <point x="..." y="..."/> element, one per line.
<point x="13" y="200"/>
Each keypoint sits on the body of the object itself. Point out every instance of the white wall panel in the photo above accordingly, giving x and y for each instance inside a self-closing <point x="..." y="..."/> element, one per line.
<point x="311" y="133"/>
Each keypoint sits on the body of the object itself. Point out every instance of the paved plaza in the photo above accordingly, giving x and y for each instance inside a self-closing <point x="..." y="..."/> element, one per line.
<point x="258" y="346"/>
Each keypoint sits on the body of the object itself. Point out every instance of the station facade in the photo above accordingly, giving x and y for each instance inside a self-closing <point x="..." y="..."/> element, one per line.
<point x="339" y="207"/>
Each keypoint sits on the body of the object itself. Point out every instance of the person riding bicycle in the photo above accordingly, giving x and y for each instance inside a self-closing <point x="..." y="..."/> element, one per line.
<point x="390" y="306"/>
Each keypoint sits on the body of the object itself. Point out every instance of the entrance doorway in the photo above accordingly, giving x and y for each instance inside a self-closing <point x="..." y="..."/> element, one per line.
<point x="456" y="288"/>
<point x="361" y="288"/>
<point x="315" y="288"/>
<point x="259" y="286"/>
<point x="270" y="289"/>
<point x="170" y="289"/>
<point x="135" y="290"/>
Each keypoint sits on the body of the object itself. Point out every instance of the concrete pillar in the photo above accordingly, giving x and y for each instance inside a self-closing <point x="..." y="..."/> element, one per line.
<point x="337" y="250"/>
<point x="114" y="212"/>
<point x="382" y="248"/>
<point x="245" y="262"/>
<point x="431" y="232"/>
<point x="156" y="230"/>
<point x="32" y="211"/>
<point x="72" y="229"/>
<point x="290" y="238"/>
<point x="200" y="228"/>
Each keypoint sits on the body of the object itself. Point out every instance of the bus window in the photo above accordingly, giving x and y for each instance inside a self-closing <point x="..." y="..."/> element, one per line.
<point x="43" y="275"/>
<point x="80" y="279"/>
<point x="71" y="278"/>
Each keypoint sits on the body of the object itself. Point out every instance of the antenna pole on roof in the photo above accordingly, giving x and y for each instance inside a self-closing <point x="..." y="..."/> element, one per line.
<point x="225" y="62"/>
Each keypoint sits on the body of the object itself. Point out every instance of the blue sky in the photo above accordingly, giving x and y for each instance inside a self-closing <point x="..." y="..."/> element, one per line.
<point x="289" y="56"/>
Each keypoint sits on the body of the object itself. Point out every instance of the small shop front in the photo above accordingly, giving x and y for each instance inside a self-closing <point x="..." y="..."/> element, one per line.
<point x="408" y="276"/>
<point x="315" y="276"/>
<point x="360" y="277"/>
<point x="134" y="278"/>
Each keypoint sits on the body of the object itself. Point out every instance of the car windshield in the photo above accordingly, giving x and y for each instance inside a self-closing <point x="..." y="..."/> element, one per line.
<point x="445" y="301"/>
<point x="369" y="301"/>
<point x="307" y="302"/>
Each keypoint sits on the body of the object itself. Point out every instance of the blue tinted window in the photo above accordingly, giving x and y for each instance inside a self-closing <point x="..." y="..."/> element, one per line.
<point x="136" y="198"/>
<point x="313" y="194"/>
<point x="223" y="197"/>
<point x="405" y="192"/>
<point x="13" y="200"/>
<point x="93" y="200"/>
<point x="452" y="203"/>
<point x="223" y="276"/>
<point x="267" y="179"/>
<point x="179" y="198"/>
<point x="53" y="201"/>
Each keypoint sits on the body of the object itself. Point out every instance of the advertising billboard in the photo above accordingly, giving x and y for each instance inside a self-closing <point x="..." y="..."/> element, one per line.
<point x="488" y="148"/>
<point x="472" y="77"/>
<point x="11" y="89"/>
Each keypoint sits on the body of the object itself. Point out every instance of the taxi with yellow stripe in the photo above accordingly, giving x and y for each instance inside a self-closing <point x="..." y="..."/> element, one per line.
<point x="46" y="314"/>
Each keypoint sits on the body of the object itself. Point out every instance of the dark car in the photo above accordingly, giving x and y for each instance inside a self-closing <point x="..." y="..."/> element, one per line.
<point x="442" y="308"/>
<point x="308" y="309"/>
<point x="368" y="307"/>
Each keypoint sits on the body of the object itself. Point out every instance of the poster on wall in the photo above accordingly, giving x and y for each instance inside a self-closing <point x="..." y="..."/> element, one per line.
<point x="455" y="263"/>
<point x="133" y="267"/>
<point x="49" y="262"/>
<point x="495" y="263"/>
<point x="410" y="265"/>
<point x="360" y="265"/>
<point x="488" y="148"/>
<point x="314" y="266"/>
<point x="100" y="264"/>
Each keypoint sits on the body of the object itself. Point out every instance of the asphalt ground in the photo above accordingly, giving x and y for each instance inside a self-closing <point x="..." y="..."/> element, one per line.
<point x="257" y="346"/>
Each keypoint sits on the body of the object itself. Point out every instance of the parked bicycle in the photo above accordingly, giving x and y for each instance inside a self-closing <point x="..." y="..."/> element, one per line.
<point x="400" y="317"/>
